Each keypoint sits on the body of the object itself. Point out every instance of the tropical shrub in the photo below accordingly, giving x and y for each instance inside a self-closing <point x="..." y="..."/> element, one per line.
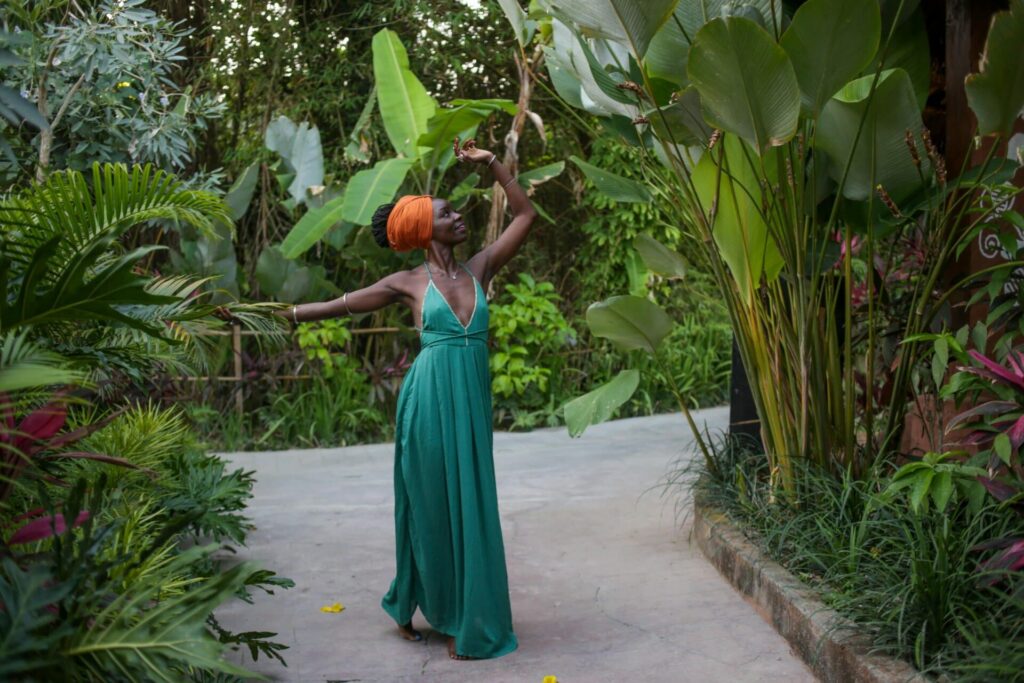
<point x="103" y="78"/>
<point x="528" y="334"/>
<point x="758" y="131"/>
<point x="106" y="506"/>
<point x="908" y="576"/>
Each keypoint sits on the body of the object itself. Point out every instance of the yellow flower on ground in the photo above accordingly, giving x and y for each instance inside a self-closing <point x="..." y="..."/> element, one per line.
<point x="124" y="84"/>
<point x="332" y="609"/>
<point x="550" y="679"/>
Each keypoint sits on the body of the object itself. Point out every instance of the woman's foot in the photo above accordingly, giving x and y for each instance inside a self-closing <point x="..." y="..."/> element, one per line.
<point x="409" y="633"/>
<point x="454" y="655"/>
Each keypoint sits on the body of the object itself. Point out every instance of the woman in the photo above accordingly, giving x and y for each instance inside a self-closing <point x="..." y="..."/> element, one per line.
<point x="450" y="555"/>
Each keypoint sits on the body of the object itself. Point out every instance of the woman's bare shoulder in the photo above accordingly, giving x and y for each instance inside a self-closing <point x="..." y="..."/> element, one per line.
<point x="406" y="281"/>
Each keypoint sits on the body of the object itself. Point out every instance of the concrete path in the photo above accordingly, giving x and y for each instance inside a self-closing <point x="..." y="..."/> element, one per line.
<point x="605" y="585"/>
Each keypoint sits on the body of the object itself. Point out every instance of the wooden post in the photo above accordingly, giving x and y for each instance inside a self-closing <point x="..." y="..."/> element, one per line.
<point x="236" y="348"/>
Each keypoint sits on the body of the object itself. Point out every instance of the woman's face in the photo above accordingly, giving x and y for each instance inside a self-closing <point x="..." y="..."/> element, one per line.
<point x="449" y="227"/>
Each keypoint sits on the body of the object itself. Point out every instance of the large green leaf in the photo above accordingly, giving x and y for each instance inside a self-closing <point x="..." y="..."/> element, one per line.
<point x="299" y="146"/>
<point x="681" y="123"/>
<point x="629" y="322"/>
<point x="746" y="82"/>
<point x="658" y="258"/>
<point x="996" y="94"/>
<point x="740" y="232"/>
<point x="694" y="14"/>
<point x="92" y="286"/>
<point x="909" y="50"/>
<point x="239" y="195"/>
<point x="279" y="136"/>
<point x="881" y="157"/>
<point x="370" y="188"/>
<point x="461" y="193"/>
<point x="669" y="50"/>
<point x="313" y="225"/>
<point x="405" y="106"/>
<point x="204" y="256"/>
<point x="541" y="174"/>
<point x="598" y="405"/>
<point x="358" y="146"/>
<point x="830" y="42"/>
<point x="613" y="186"/>
<point x="563" y="77"/>
<point x="580" y="71"/>
<point x="449" y="122"/>
<point x="285" y="279"/>
<point x="307" y="159"/>
<point x="630" y="22"/>
<point x="522" y="26"/>
<point x="891" y="7"/>
<point x="606" y="73"/>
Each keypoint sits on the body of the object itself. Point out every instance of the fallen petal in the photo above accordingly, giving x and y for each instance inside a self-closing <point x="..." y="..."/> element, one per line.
<point x="332" y="609"/>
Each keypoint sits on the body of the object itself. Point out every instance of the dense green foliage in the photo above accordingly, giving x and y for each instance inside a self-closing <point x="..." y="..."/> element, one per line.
<point x="788" y="139"/>
<point x="698" y="167"/>
<point x="911" y="577"/>
<point x="813" y="193"/>
<point x="282" y="197"/>
<point x="113" y="521"/>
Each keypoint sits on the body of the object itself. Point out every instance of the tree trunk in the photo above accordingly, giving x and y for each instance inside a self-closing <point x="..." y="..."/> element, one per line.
<point x="511" y="158"/>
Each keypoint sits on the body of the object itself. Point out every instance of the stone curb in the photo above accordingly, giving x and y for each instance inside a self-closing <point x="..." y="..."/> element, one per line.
<point x="827" y="642"/>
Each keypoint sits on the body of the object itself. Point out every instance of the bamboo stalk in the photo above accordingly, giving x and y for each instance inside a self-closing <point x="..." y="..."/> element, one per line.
<point x="260" y="333"/>
<point x="232" y="378"/>
<point x="236" y="347"/>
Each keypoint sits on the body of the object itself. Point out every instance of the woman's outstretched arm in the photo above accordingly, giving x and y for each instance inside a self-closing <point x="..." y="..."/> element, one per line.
<point x="505" y="247"/>
<point x="385" y="291"/>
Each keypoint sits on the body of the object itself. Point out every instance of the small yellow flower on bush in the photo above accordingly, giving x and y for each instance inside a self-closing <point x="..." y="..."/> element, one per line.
<point x="332" y="609"/>
<point x="124" y="84"/>
<point x="550" y="679"/>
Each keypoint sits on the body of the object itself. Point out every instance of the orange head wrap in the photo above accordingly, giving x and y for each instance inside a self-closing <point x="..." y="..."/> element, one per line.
<point x="411" y="223"/>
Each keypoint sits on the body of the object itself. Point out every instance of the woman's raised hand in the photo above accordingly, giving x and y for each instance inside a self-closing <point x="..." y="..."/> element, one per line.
<point x="469" y="152"/>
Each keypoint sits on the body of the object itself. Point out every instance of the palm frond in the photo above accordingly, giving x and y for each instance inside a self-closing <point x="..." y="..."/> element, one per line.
<point x="25" y="364"/>
<point x="191" y="332"/>
<point x="79" y="213"/>
<point x="148" y="636"/>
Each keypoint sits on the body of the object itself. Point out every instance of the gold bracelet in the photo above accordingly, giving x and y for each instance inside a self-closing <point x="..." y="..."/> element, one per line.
<point x="510" y="181"/>
<point x="294" y="319"/>
<point x="344" y="300"/>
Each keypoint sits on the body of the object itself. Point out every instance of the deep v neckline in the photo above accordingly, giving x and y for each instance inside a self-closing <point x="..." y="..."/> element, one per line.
<point x="476" y="297"/>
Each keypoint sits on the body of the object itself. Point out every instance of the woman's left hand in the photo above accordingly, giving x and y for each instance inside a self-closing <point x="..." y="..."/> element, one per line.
<point x="469" y="152"/>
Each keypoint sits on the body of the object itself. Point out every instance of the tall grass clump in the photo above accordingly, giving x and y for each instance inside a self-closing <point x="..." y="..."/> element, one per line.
<point x="910" y="578"/>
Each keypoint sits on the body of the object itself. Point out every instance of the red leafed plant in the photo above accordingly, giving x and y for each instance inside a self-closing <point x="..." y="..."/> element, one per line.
<point x="37" y="437"/>
<point x="997" y="427"/>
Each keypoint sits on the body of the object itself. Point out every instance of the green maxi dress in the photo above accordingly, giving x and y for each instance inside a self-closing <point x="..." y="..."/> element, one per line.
<point x="450" y="555"/>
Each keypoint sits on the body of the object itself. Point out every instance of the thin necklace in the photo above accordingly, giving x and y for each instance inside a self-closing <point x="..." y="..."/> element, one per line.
<point x="454" y="276"/>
